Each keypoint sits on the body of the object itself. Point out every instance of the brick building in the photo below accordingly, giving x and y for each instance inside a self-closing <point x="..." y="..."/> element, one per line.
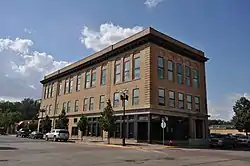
<point x="164" y="78"/>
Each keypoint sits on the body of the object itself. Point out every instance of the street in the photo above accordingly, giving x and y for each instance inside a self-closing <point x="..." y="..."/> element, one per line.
<point x="23" y="151"/>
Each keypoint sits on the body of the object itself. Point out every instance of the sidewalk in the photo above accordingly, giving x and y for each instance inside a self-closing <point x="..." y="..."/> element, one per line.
<point x="117" y="143"/>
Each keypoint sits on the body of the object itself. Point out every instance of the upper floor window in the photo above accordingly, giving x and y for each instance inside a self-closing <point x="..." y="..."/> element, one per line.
<point x="76" y="106"/>
<point x="45" y="92"/>
<point x="117" y="73"/>
<point x="78" y="82"/>
<point x="126" y="69"/>
<point x="70" y="84"/>
<point x="93" y="79"/>
<point x="170" y="70"/>
<point x="64" y="106"/>
<point x="189" y="102"/>
<point x="136" y="73"/>
<point x="68" y="106"/>
<point x="161" y="96"/>
<point x="87" y="79"/>
<point x="102" y="102"/>
<point x="47" y="110"/>
<point x="50" y="108"/>
<point x="57" y="108"/>
<point x="52" y="89"/>
<point x="85" y="104"/>
<point x="135" y="100"/>
<point x="188" y="75"/>
<point x="180" y="101"/>
<point x="171" y="99"/>
<point x="60" y="88"/>
<point x="179" y="73"/>
<point x="66" y="89"/>
<point x="160" y="67"/>
<point x="91" y="104"/>
<point x="197" y="103"/>
<point x="116" y="99"/>
<point x="103" y="76"/>
<point x="48" y="92"/>
<point x="195" y="78"/>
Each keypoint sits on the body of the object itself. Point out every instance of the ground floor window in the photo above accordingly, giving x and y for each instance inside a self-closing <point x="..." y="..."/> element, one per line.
<point x="74" y="131"/>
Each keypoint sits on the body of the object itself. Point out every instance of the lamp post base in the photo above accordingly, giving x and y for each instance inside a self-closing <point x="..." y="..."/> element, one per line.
<point x="123" y="142"/>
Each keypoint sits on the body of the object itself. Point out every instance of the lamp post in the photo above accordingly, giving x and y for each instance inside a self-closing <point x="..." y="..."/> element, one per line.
<point x="124" y="98"/>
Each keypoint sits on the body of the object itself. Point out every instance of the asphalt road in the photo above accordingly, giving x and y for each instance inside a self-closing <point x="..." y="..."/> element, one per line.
<point x="22" y="152"/>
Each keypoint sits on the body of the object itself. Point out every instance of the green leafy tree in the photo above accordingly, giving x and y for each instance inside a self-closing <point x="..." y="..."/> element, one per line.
<point x="107" y="120"/>
<point x="241" y="118"/>
<point x="8" y="119"/>
<point x="82" y="125"/>
<point x="63" y="121"/>
<point x="46" y="124"/>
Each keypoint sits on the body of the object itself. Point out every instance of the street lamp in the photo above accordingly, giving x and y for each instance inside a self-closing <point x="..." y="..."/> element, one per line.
<point x="124" y="98"/>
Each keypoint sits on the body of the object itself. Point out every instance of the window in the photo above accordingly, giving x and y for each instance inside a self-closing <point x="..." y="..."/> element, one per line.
<point x="170" y="70"/>
<point x="45" y="92"/>
<point x="171" y="97"/>
<point x="76" y="106"/>
<point x="135" y="100"/>
<point x="74" y="131"/>
<point x="136" y="73"/>
<point x="66" y="89"/>
<point x="161" y="96"/>
<point x="75" y="120"/>
<point x="116" y="99"/>
<point x="117" y="73"/>
<point x="188" y="75"/>
<point x="93" y="79"/>
<point x="68" y="106"/>
<point x="189" y="102"/>
<point x="52" y="89"/>
<point x="160" y="67"/>
<point x="85" y="104"/>
<point x="50" y="108"/>
<point x="103" y="76"/>
<point x="60" y="88"/>
<point x="71" y="84"/>
<point x="180" y="101"/>
<point x="57" y="108"/>
<point x="48" y="92"/>
<point x="64" y="106"/>
<point x="47" y="110"/>
<point x="91" y="103"/>
<point x="179" y="73"/>
<point x="126" y="69"/>
<point x="197" y="103"/>
<point x="102" y="102"/>
<point x="78" y="82"/>
<point x="195" y="78"/>
<point x="87" y="79"/>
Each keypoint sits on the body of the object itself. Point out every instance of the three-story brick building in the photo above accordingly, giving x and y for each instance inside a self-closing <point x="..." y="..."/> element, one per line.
<point x="164" y="78"/>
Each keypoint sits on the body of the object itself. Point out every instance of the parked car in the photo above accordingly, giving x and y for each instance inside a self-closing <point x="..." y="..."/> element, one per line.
<point x="243" y="140"/>
<point x="36" y="135"/>
<point x="222" y="140"/>
<point x="57" y="134"/>
<point x="23" y="132"/>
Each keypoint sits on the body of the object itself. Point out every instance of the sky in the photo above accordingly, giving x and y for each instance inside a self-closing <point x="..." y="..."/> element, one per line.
<point x="39" y="37"/>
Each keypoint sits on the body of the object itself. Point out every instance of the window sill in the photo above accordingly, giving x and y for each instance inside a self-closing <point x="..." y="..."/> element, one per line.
<point x="125" y="82"/>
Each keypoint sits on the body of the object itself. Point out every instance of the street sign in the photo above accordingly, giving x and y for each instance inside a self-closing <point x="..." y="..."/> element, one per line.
<point x="163" y="125"/>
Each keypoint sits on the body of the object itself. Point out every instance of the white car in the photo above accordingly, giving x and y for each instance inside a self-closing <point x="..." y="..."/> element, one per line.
<point x="57" y="134"/>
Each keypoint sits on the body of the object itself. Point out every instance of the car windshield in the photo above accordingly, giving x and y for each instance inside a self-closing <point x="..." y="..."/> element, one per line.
<point x="63" y="131"/>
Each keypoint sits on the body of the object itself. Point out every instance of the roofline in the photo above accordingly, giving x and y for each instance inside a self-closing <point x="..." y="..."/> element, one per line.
<point x="148" y="35"/>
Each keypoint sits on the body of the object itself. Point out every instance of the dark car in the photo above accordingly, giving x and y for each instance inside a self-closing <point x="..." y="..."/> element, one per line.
<point x="23" y="133"/>
<point x="36" y="135"/>
<point x="222" y="141"/>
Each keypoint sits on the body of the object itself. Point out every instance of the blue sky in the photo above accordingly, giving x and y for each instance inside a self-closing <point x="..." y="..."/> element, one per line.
<point x="220" y="28"/>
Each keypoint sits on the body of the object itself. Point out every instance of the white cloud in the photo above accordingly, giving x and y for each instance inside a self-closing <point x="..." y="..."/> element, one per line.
<point x="26" y="30"/>
<point x="224" y="108"/>
<point x="107" y="35"/>
<point x="21" y="69"/>
<point x="152" y="3"/>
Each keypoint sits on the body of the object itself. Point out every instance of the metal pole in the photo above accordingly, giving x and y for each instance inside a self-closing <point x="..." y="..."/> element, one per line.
<point x="123" y="121"/>
<point x="163" y="136"/>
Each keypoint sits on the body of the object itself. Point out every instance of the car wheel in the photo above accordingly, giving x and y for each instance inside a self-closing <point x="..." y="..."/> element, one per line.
<point x="46" y="138"/>
<point x="54" y="139"/>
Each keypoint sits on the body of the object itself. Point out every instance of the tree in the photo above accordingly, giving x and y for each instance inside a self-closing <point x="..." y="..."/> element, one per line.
<point x="241" y="118"/>
<point x="46" y="124"/>
<point x="82" y="124"/>
<point x="107" y="120"/>
<point x="8" y="119"/>
<point x="62" y="122"/>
